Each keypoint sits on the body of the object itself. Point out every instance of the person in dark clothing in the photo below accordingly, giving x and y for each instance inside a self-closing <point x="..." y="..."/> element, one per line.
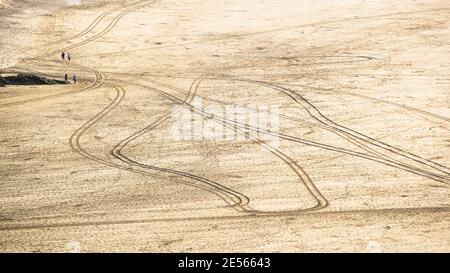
<point x="63" y="55"/>
<point x="68" y="56"/>
<point x="66" y="77"/>
<point x="74" y="78"/>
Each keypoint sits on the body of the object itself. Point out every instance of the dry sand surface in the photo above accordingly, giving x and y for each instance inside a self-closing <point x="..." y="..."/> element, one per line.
<point x="363" y="158"/>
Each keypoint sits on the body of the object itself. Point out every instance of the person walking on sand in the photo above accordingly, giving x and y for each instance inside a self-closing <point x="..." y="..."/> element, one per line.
<point x="63" y="55"/>
<point x="74" y="78"/>
<point x="68" y="57"/>
<point x="66" y="77"/>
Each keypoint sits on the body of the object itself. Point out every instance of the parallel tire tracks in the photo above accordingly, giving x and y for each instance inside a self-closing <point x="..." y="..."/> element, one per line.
<point x="349" y="133"/>
<point x="300" y="173"/>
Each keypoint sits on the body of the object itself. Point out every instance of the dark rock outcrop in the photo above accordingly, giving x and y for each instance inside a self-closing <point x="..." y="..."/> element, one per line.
<point x="28" y="79"/>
